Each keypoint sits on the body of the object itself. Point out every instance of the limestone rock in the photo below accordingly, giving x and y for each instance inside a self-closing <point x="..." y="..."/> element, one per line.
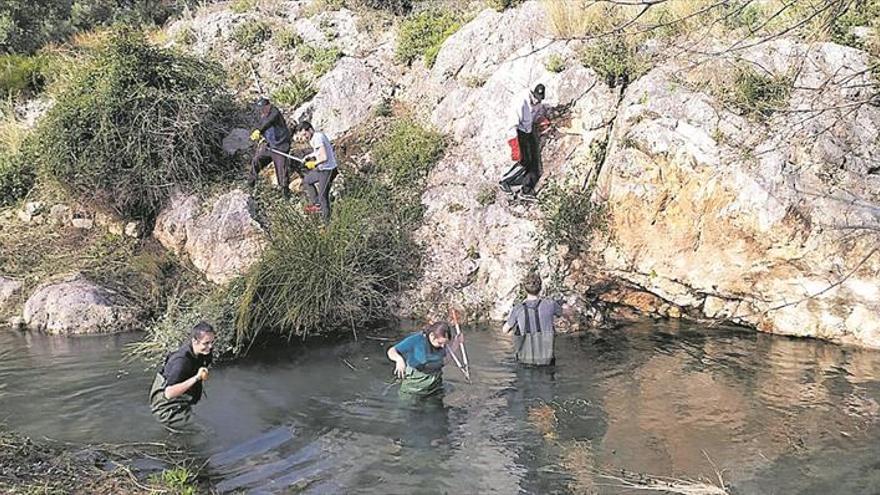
<point x="133" y="229"/>
<point x="82" y="223"/>
<point x="59" y="214"/>
<point x="9" y="292"/>
<point x="225" y="242"/>
<point x="170" y="227"/>
<point x="77" y="306"/>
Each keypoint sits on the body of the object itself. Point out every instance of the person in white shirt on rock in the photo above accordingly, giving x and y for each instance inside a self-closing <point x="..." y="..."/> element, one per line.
<point x="317" y="181"/>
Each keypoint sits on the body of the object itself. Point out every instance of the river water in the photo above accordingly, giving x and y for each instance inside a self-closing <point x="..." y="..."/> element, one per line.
<point x="757" y="413"/>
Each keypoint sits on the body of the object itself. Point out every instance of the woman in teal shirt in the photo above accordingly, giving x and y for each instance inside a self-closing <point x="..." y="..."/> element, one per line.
<point x="418" y="360"/>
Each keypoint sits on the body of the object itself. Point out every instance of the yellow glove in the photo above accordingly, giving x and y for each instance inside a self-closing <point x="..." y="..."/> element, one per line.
<point x="311" y="164"/>
<point x="255" y="136"/>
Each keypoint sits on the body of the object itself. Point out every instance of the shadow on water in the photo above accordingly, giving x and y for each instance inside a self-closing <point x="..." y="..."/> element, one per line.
<point x="768" y="414"/>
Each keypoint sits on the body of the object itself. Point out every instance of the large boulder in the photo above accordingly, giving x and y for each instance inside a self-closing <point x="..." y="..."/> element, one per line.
<point x="770" y="224"/>
<point x="226" y="241"/>
<point x="76" y="306"/>
<point x="170" y="227"/>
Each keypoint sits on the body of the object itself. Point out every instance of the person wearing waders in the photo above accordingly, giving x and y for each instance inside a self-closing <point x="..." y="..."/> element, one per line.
<point x="322" y="170"/>
<point x="178" y="383"/>
<point x="533" y="322"/>
<point x="272" y="134"/>
<point x="418" y="360"/>
<point x="526" y="118"/>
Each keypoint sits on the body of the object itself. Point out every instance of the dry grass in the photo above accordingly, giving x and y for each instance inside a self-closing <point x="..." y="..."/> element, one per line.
<point x="12" y="130"/>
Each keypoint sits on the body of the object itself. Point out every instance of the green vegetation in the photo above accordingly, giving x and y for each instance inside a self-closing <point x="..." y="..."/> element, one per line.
<point x="133" y="121"/>
<point x="322" y="59"/>
<point x="287" y="39"/>
<point x="616" y="60"/>
<point x="27" y="25"/>
<point x="177" y="481"/>
<point x="242" y="6"/>
<point x="16" y="175"/>
<point x="756" y="94"/>
<point x="251" y="34"/>
<point x="296" y="92"/>
<point x="570" y="218"/>
<point x="555" y="63"/>
<point x="422" y="35"/>
<point x="487" y="195"/>
<point x="22" y="75"/>
<point x="501" y="5"/>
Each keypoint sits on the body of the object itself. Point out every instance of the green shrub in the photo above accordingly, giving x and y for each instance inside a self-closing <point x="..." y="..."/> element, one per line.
<point x="322" y="59"/>
<point x="185" y="36"/>
<point x="616" y="60"/>
<point x="501" y="5"/>
<point x="570" y="219"/>
<point x="16" y="177"/>
<point x="133" y="123"/>
<point x="407" y="153"/>
<point x="22" y="74"/>
<point x="422" y="35"/>
<point x="296" y="92"/>
<point x="176" y="481"/>
<point x="287" y="39"/>
<point x="242" y="6"/>
<point x="251" y="34"/>
<point x="396" y="7"/>
<point x="555" y="63"/>
<point x="487" y="195"/>
<point x="755" y="94"/>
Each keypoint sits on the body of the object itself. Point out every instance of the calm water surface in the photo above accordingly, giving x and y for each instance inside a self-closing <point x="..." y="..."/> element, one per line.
<point x="770" y="415"/>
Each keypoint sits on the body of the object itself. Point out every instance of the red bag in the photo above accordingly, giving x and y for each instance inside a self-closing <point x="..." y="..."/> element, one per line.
<point x="514" y="149"/>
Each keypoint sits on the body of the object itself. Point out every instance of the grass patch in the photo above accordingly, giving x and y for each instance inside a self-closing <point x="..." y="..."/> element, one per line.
<point x="296" y="92"/>
<point x="502" y="5"/>
<point x="422" y="35"/>
<point x="287" y="39"/>
<point x="321" y="59"/>
<point x="570" y="219"/>
<point x="242" y="6"/>
<point x="251" y="34"/>
<point x="487" y="195"/>
<point x="755" y="94"/>
<point x="133" y="122"/>
<point x="22" y="75"/>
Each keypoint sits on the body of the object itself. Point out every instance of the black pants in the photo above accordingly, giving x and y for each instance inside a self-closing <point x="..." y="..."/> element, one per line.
<point x="263" y="156"/>
<point x="316" y="184"/>
<point x="530" y="159"/>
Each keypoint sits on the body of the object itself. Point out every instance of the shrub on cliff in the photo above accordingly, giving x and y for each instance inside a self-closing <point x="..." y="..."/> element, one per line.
<point x="422" y="35"/>
<point x="134" y="122"/>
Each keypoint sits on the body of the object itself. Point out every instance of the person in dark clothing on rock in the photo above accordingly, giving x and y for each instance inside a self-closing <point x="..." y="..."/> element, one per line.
<point x="533" y="322"/>
<point x="272" y="133"/>
<point x="526" y="120"/>
<point x="178" y="383"/>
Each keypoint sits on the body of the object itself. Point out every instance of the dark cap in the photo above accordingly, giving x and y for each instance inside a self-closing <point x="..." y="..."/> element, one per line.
<point x="539" y="91"/>
<point x="261" y="101"/>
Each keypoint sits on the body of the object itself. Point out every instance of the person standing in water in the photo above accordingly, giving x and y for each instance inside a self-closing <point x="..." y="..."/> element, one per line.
<point x="419" y="358"/>
<point x="178" y="383"/>
<point x="534" y="324"/>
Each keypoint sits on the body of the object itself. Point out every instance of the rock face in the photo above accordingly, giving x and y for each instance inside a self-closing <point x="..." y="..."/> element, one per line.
<point x="77" y="306"/>
<point x="478" y="244"/>
<point x="222" y="243"/>
<point x="764" y="223"/>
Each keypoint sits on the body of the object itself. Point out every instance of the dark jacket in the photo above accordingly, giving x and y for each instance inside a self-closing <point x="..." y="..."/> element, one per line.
<point x="274" y="128"/>
<point x="181" y="365"/>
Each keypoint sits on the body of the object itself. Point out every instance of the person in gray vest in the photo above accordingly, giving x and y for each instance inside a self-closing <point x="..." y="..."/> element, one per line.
<point x="273" y="128"/>
<point x="178" y="383"/>
<point x="533" y="325"/>
<point x="321" y="163"/>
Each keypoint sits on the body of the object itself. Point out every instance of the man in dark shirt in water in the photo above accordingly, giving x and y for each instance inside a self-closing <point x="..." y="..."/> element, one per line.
<point x="178" y="383"/>
<point x="534" y="323"/>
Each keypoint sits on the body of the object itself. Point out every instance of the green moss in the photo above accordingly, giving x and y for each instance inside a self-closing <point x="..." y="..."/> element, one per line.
<point x="422" y="35"/>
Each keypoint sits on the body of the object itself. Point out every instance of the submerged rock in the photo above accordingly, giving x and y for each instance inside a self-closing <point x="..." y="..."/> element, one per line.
<point x="77" y="306"/>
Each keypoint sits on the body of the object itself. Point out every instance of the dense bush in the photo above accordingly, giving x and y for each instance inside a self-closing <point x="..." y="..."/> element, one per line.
<point x="422" y="35"/>
<point x="296" y="92"/>
<point x="26" y="25"/>
<point x="22" y="75"/>
<point x="133" y="123"/>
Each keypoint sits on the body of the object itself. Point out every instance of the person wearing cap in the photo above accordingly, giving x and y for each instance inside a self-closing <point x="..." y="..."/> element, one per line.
<point x="273" y="136"/>
<point x="522" y="138"/>
<point x="322" y="164"/>
<point x="178" y="383"/>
